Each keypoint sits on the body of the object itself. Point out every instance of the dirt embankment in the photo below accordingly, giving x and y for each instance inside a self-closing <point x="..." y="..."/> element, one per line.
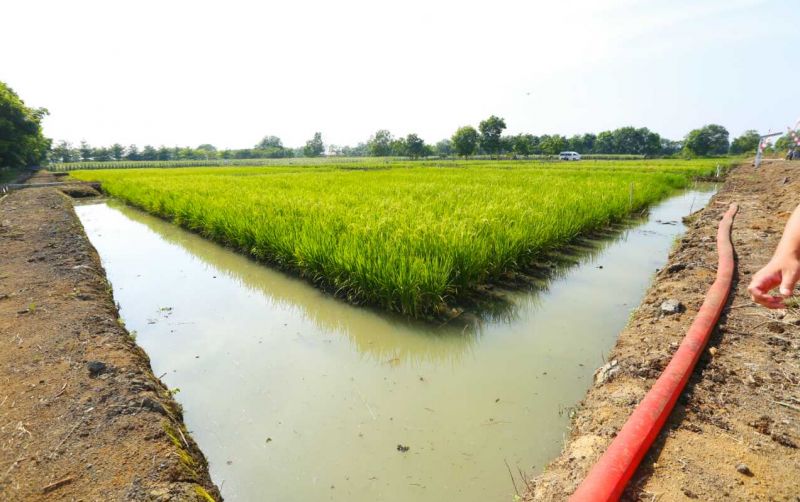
<point x="82" y="417"/>
<point x="735" y="432"/>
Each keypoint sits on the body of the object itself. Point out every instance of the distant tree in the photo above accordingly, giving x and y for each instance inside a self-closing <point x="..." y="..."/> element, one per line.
<point x="21" y="140"/>
<point x="670" y="147"/>
<point x="206" y="151"/>
<point x="399" y="147"/>
<point x="784" y="143"/>
<point x="187" y="153"/>
<point x="64" y="152"/>
<point x="380" y="143"/>
<point x="522" y="144"/>
<point x="465" y="141"/>
<point x="711" y="139"/>
<point x="605" y="143"/>
<point x="444" y="148"/>
<point x="164" y="153"/>
<point x="149" y="153"/>
<point x="651" y="145"/>
<point x="746" y="143"/>
<point x="506" y="145"/>
<point x="101" y="154"/>
<point x="269" y="142"/>
<point x="588" y="140"/>
<point x="85" y="151"/>
<point x="491" y="131"/>
<point x="133" y="153"/>
<point x="552" y="145"/>
<point x="117" y="151"/>
<point x="575" y="144"/>
<point x="314" y="147"/>
<point x="360" y="150"/>
<point x="415" y="146"/>
<point x="628" y="140"/>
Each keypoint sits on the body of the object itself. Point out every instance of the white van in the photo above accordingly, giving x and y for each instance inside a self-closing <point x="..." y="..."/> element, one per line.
<point x="569" y="156"/>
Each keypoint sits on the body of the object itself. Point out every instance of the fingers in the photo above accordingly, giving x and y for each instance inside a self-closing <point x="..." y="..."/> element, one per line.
<point x="789" y="281"/>
<point x="760" y="286"/>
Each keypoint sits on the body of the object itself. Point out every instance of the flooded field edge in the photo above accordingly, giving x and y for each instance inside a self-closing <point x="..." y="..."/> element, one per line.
<point x="487" y="300"/>
<point x="370" y="346"/>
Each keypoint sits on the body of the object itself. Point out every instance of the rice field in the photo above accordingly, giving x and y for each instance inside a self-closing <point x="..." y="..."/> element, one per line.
<point x="409" y="237"/>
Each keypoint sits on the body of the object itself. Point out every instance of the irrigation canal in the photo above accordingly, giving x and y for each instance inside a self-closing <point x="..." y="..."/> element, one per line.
<point x="294" y="395"/>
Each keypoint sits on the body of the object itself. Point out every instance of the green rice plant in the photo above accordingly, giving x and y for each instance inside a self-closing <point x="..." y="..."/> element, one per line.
<point x="411" y="238"/>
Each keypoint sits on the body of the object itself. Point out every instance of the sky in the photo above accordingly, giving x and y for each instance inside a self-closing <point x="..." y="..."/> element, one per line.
<point x="228" y="73"/>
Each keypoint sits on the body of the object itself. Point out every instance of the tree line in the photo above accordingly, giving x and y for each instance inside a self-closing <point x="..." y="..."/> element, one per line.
<point x="467" y="141"/>
<point x="22" y="143"/>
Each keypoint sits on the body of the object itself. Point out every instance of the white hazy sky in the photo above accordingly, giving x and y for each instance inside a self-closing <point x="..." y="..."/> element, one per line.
<point x="229" y="72"/>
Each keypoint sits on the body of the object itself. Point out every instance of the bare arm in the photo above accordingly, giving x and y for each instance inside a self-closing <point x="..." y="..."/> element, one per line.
<point x="782" y="270"/>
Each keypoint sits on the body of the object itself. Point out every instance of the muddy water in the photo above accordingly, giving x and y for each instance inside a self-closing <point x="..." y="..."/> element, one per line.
<point x="294" y="395"/>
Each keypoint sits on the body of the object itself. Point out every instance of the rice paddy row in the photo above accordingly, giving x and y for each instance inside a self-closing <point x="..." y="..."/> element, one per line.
<point x="411" y="238"/>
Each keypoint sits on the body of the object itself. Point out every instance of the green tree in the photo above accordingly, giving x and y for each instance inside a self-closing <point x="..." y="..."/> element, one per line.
<point x="444" y="148"/>
<point x="314" y="147"/>
<point x="711" y="139"/>
<point x="360" y="150"/>
<point x="783" y="143"/>
<point x="552" y="145"/>
<point x="117" y="151"/>
<point x="149" y="153"/>
<point x="85" y="151"/>
<point x="101" y="154"/>
<point x="588" y="140"/>
<point x="605" y="143"/>
<point x="269" y="142"/>
<point x="380" y="144"/>
<point x="522" y="144"/>
<point x="165" y="153"/>
<point x="398" y="147"/>
<point x="465" y="141"/>
<point x="22" y="143"/>
<point x="491" y="131"/>
<point x="206" y="151"/>
<point x="506" y="144"/>
<point x="133" y="153"/>
<point x="627" y="140"/>
<point x="63" y="152"/>
<point x="670" y="147"/>
<point x="651" y="143"/>
<point x="415" y="146"/>
<point x="575" y="143"/>
<point x="746" y="143"/>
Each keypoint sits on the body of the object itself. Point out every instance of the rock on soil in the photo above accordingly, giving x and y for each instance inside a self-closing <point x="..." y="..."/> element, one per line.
<point x="669" y="307"/>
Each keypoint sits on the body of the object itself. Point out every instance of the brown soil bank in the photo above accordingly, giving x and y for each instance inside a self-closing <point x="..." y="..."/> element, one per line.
<point x="735" y="432"/>
<point x="81" y="415"/>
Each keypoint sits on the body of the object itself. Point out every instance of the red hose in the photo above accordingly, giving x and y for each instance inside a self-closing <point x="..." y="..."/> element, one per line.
<point x="608" y="477"/>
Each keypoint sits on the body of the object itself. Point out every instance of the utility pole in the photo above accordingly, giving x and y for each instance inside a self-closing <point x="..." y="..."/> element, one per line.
<point x="761" y="142"/>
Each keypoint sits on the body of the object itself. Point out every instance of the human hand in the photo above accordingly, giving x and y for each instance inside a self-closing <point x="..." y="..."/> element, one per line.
<point x="783" y="271"/>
